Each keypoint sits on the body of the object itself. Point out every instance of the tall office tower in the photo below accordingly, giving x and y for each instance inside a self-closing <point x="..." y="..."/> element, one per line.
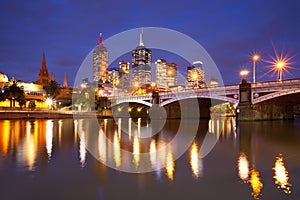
<point x="196" y="75"/>
<point x="191" y="76"/>
<point x="43" y="78"/>
<point x="141" y="64"/>
<point x="100" y="62"/>
<point x="161" y="73"/>
<point x="201" y="74"/>
<point x="124" y="71"/>
<point x="113" y="76"/>
<point x="171" y="72"/>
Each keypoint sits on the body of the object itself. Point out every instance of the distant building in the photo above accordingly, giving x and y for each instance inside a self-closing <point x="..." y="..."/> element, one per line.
<point x="196" y="75"/>
<point x="161" y="73"/>
<point x="171" y="74"/>
<point x="166" y="73"/>
<point x="124" y="72"/>
<point x="113" y="76"/>
<point x="141" y="64"/>
<point x="212" y="83"/>
<point x="65" y="83"/>
<point x="43" y="77"/>
<point x="100" y="62"/>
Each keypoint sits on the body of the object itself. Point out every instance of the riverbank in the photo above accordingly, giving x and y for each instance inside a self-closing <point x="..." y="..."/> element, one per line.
<point x="42" y="114"/>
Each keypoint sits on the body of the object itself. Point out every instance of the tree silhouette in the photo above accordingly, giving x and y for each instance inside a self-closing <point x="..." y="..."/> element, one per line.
<point x="52" y="89"/>
<point x="14" y="93"/>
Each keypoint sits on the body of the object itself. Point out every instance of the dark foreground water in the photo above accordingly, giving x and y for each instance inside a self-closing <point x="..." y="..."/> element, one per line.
<point x="48" y="159"/>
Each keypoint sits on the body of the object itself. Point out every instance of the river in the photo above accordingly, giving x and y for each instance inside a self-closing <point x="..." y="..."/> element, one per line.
<point x="107" y="159"/>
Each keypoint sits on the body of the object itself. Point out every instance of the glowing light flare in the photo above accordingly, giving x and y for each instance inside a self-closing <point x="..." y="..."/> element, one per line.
<point x="281" y="175"/>
<point x="280" y="63"/>
<point x="117" y="150"/>
<point x="243" y="167"/>
<point x="170" y="165"/>
<point x="244" y="73"/>
<point x="194" y="159"/>
<point x="255" y="57"/>
<point x="255" y="183"/>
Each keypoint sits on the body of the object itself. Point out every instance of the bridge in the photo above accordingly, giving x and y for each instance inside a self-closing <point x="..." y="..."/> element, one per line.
<point x="261" y="100"/>
<point x="260" y="92"/>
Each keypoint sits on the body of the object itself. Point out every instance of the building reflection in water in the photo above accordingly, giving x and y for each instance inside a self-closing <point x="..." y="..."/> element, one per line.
<point x="281" y="175"/>
<point x="152" y="152"/>
<point x="243" y="167"/>
<point x="82" y="149"/>
<point x="136" y="150"/>
<point x="49" y="137"/>
<point x="170" y="165"/>
<point x="117" y="150"/>
<point x="256" y="184"/>
<point x="195" y="161"/>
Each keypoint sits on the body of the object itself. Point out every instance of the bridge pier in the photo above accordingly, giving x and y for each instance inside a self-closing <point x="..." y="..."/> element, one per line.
<point x="268" y="110"/>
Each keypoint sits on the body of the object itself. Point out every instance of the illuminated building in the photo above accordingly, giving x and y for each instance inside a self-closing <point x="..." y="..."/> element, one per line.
<point x="171" y="72"/>
<point x="161" y="73"/>
<point x="113" y="76"/>
<point x="212" y="83"/>
<point x="124" y="72"/>
<point x="43" y="78"/>
<point x="166" y="73"/>
<point x="100" y="62"/>
<point x="141" y="64"/>
<point x="196" y="75"/>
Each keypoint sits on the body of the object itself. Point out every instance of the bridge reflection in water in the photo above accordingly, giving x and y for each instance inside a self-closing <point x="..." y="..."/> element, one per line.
<point x="31" y="144"/>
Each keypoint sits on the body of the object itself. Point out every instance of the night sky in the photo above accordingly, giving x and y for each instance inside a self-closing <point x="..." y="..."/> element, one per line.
<point x="68" y="30"/>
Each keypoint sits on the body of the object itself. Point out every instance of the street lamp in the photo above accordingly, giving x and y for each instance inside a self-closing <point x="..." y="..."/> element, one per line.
<point x="244" y="73"/>
<point x="280" y="66"/>
<point x="49" y="102"/>
<point x="255" y="58"/>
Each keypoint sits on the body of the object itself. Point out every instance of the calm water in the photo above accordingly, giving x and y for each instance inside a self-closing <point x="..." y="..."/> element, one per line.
<point x="48" y="159"/>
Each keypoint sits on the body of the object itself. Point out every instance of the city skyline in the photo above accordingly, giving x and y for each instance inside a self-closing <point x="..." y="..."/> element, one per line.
<point x="229" y="31"/>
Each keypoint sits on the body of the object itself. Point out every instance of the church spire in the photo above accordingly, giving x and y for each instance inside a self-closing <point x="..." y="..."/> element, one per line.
<point x="65" y="84"/>
<point x="141" y="39"/>
<point x="43" y="77"/>
<point x="100" y="39"/>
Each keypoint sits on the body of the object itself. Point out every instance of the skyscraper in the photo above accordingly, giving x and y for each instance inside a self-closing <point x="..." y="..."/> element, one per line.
<point x="100" y="62"/>
<point x="196" y="75"/>
<point x="113" y="76"/>
<point x="171" y="72"/>
<point x="43" y="78"/>
<point x="124" y="71"/>
<point x="161" y="75"/>
<point x="141" y="64"/>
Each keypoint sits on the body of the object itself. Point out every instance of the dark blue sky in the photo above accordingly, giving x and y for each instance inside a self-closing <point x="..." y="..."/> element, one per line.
<point x="67" y="31"/>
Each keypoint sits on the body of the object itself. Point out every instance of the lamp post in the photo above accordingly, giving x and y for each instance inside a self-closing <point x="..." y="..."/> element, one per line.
<point x="244" y="73"/>
<point x="49" y="102"/>
<point x="280" y="66"/>
<point x="255" y="58"/>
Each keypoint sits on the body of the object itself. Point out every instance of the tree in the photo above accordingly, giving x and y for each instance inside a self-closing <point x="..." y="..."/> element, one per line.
<point x="52" y="89"/>
<point x="14" y="93"/>
<point x="86" y="99"/>
<point x="32" y="104"/>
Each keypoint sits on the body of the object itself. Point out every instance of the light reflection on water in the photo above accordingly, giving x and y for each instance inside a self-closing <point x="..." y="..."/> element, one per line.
<point x="31" y="141"/>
